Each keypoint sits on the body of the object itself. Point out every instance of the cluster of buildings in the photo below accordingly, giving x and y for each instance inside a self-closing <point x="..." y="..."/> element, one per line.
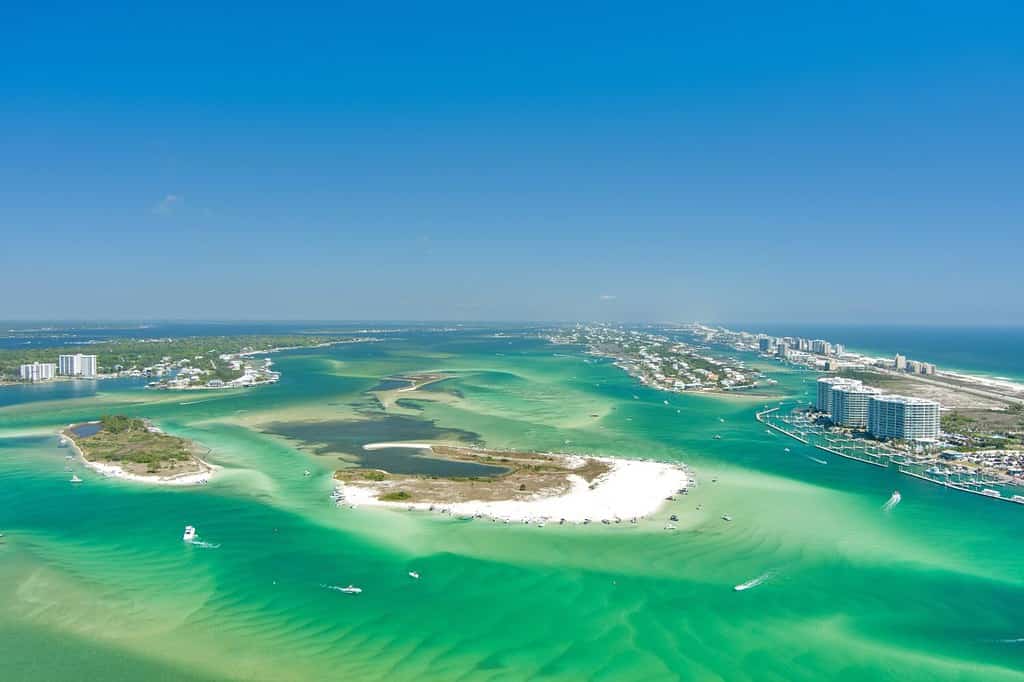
<point x="660" y="362"/>
<point x="851" y="404"/>
<point x="187" y="376"/>
<point x="76" y="365"/>
<point x="902" y="364"/>
<point x="783" y="346"/>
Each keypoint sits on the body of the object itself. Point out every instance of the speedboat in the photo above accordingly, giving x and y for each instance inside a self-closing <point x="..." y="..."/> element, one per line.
<point x="75" y="478"/>
<point x="190" y="534"/>
<point x="352" y="589"/>
<point x="786" y="449"/>
<point x="412" y="574"/>
<point x="726" y="517"/>
<point x="717" y="437"/>
<point x="306" y="473"/>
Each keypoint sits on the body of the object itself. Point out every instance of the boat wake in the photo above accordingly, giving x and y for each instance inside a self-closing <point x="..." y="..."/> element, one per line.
<point x="203" y="544"/>
<point x="750" y="584"/>
<point x="1012" y="640"/>
<point x="815" y="459"/>
<point x="892" y="501"/>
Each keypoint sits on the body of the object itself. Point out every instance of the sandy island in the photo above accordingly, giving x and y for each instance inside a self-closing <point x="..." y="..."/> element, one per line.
<point x="534" y="487"/>
<point x="195" y="471"/>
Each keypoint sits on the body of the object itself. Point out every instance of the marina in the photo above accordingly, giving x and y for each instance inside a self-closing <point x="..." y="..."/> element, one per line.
<point x="797" y="425"/>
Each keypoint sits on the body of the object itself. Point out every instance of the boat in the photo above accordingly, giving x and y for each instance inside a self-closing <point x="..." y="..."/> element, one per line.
<point x="786" y="449"/>
<point x="306" y="473"/>
<point x="413" y="574"/>
<point x="717" y="437"/>
<point x="726" y="517"/>
<point x="673" y="518"/>
<point x="991" y="493"/>
<point x="190" y="534"/>
<point x="75" y="478"/>
<point x="670" y="526"/>
<point x="351" y="589"/>
<point x="1018" y="498"/>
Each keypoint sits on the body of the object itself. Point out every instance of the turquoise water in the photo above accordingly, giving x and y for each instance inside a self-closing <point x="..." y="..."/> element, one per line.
<point x="96" y="583"/>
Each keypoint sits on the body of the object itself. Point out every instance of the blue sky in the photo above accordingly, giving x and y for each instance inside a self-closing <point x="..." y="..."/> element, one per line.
<point x="814" y="162"/>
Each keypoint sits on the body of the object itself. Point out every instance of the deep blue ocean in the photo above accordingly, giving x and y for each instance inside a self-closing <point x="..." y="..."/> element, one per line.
<point x="995" y="351"/>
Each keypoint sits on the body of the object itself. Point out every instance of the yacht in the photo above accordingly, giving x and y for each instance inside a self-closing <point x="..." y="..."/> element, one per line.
<point x="75" y="478"/>
<point x="190" y="534"/>
<point x="991" y="493"/>
<point x="352" y="589"/>
<point x="414" y="575"/>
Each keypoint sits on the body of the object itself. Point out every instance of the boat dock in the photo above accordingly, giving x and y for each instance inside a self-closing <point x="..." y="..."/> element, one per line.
<point x="798" y="426"/>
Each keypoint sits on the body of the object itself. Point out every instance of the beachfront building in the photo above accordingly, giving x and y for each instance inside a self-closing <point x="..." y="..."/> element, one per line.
<point x="903" y="418"/>
<point x="38" y="371"/>
<point x="77" y="365"/>
<point x="825" y="387"/>
<point x="850" y="404"/>
<point x="821" y="347"/>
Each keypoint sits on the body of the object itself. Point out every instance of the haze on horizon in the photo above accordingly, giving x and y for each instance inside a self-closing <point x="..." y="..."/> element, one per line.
<point x="762" y="163"/>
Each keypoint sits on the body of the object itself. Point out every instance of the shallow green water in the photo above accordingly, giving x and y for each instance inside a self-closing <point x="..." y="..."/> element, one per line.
<point x="95" y="581"/>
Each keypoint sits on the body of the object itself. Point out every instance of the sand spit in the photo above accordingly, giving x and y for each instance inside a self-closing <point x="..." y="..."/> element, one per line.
<point x="629" y="489"/>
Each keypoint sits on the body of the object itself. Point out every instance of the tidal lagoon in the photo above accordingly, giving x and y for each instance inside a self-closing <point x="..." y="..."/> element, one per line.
<point x="95" y="581"/>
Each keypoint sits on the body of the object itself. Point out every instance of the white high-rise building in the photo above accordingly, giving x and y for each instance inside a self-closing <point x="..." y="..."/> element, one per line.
<point x="38" y="371"/>
<point x="77" y="365"/>
<point x="850" y="404"/>
<point x="825" y="387"/>
<point x="897" y="416"/>
<point x="821" y="347"/>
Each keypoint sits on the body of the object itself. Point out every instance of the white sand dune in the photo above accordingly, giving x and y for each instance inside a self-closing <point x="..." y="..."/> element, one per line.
<point x="631" y="489"/>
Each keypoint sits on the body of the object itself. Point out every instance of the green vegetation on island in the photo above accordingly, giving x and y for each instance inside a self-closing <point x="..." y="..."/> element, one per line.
<point x="140" y="356"/>
<point x="134" y="445"/>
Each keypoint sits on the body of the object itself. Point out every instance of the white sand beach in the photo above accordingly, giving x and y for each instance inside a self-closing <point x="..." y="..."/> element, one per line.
<point x="114" y="471"/>
<point x="631" y="489"/>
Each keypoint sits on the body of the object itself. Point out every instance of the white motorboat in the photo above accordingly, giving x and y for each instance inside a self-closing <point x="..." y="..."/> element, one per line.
<point x="414" y="575"/>
<point x="726" y="517"/>
<point x="75" y="478"/>
<point x="190" y="534"/>
<point x="352" y="589"/>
